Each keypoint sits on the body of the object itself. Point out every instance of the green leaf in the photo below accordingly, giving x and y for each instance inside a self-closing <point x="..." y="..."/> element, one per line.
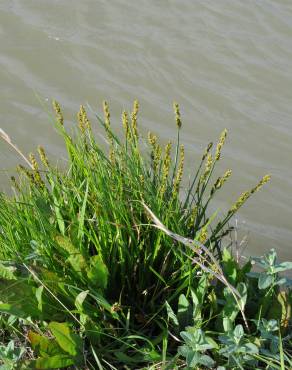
<point x="80" y="299"/>
<point x="43" y="345"/>
<point x="66" y="244"/>
<point x="53" y="362"/>
<point x="12" y="310"/>
<point x="68" y="341"/>
<point x="265" y="281"/>
<point x="98" y="272"/>
<point x="76" y="259"/>
<point x="38" y="294"/>
<point x="171" y="315"/>
<point x="7" y="272"/>
<point x="82" y="213"/>
<point x="206" y="361"/>
<point x="250" y="348"/>
<point x="227" y="324"/>
<point x="238" y="331"/>
<point x="284" y="266"/>
<point x="229" y="266"/>
<point x="184" y="312"/>
<point x="78" y="263"/>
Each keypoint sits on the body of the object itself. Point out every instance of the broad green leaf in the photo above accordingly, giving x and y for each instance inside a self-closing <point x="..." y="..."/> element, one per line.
<point x="80" y="299"/>
<point x="171" y="315"/>
<point x="75" y="258"/>
<point x="251" y="348"/>
<point x="242" y="290"/>
<point x="77" y="261"/>
<point x="43" y="345"/>
<point x="238" y="331"/>
<point x="53" y="362"/>
<point x="66" y="244"/>
<point x="227" y="324"/>
<point x="196" y="307"/>
<point x="38" y="294"/>
<point x="284" y="266"/>
<point x="68" y="341"/>
<point x="97" y="272"/>
<point x="122" y="357"/>
<point x="12" y="310"/>
<point x="184" y="312"/>
<point x="265" y="280"/>
<point x="206" y="361"/>
<point x="7" y="272"/>
<point x="229" y="266"/>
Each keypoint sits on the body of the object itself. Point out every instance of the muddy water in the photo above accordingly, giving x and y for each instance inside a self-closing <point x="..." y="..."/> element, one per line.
<point x="228" y="64"/>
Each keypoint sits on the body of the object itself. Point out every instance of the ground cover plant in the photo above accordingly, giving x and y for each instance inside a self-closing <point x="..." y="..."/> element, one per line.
<point x="109" y="263"/>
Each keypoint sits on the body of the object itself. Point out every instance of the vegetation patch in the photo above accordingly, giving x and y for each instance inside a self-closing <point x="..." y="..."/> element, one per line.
<point x="111" y="263"/>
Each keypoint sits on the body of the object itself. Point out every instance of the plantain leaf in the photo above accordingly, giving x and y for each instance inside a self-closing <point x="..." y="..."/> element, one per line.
<point x="53" y="362"/>
<point x="230" y="266"/>
<point x="265" y="280"/>
<point x="44" y="346"/>
<point x="80" y="299"/>
<point x="98" y="272"/>
<point x="68" y="341"/>
<point x="12" y="310"/>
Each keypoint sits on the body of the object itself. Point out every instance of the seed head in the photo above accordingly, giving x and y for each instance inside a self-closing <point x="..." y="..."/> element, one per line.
<point x="106" y="114"/>
<point x="220" y="144"/>
<point x="43" y="156"/>
<point x="125" y="121"/>
<point x="261" y="183"/>
<point x="220" y="181"/>
<point x="207" y="150"/>
<point x="240" y="201"/>
<point x="134" y="118"/>
<point x="58" y="112"/>
<point x="177" y="115"/>
<point x="179" y="173"/>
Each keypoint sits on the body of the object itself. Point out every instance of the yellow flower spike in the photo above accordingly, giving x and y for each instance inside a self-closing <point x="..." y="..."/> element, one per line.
<point x="262" y="182"/>
<point x="43" y="156"/>
<point x="156" y="150"/>
<point x="134" y="118"/>
<point x="177" y="115"/>
<point x="165" y="167"/>
<point x="36" y="173"/>
<point x="106" y="114"/>
<point x="220" y="144"/>
<point x="193" y="216"/>
<point x="207" y="150"/>
<point x="125" y="121"/>
<point x="179" y="173"/>
<point x="208" y="167"/>
<point x="157" y="157"/>
<point x="80" y="119"/>
<point x="28" y="174"/>
<point x="203" y="235"/>
<point x="15" y="184"/>
<point x="33" y="162"/>
<point x="220" y="181"/>
<point x="107" y="127"/>
<point x="58" y="112"/>
<point x="83" y="117"/>
<point x="152" y="139"/>
<point x="244" y="196"/>
<point x="240" y="201"/>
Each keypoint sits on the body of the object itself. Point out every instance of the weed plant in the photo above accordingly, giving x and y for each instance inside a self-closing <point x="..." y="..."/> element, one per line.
<point x="111" y="264"/>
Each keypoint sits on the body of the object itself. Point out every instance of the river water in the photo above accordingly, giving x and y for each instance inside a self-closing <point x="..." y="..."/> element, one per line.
<point x="227" y="62"/>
